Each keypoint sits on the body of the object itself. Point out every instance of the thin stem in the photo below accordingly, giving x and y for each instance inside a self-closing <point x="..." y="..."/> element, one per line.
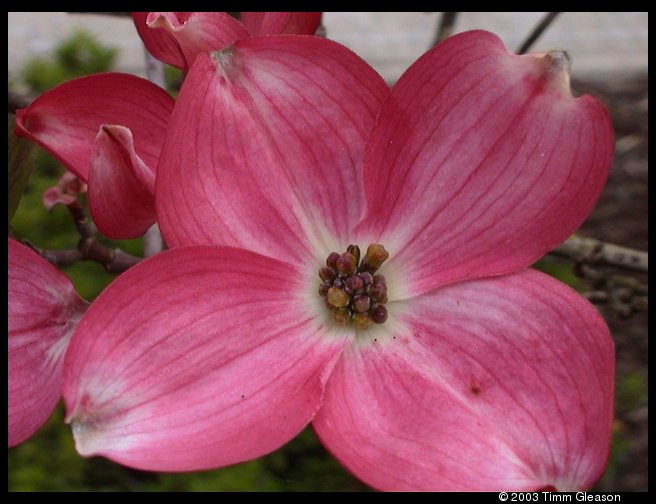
<point x="445" y="27"/>
<point x="537" y="31"/>
<point x="88" y="248"/>
<point x="83" y="225"/>
<point x="594" y="252"/>
<point x="625" y="295"/>
<point x="114" y="260"/>
<point x="597" y="263"/>
<point x="152" y="242"/>
<point x="62" y="257"/>
<point x="121" y="261"/>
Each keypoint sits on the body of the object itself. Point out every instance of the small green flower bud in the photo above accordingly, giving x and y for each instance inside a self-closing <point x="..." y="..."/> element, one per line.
<point x="326" y="274"/>
<point x="346" y="264"/>
<point x="374" y="258"/>
<point x="361" y="321"/>
<point x="378" y="292"/>
<point x="323" y="289"/>
<point x="361" y="303"/>
<point x="353" y="284"/>
<point x="366" y="278"/>
<point x="378" y="314"/>
<point x="337" y="297"/>
<point x="331" y="261"/>
<point x="378" y="279"/>
<point x="354" y="250"/>
<point x="341" y="316"/>
<point x="355" y="294"/>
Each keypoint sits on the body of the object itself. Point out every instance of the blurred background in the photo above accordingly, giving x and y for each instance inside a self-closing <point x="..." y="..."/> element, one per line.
<point x="609" y="53"/>
<point x="600" y="43"/>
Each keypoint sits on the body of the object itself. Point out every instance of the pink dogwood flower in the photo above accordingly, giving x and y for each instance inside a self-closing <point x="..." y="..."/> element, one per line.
<point x="430" y="358"/>
<point x="108" y="129"/>
<point x="43" y="309"/>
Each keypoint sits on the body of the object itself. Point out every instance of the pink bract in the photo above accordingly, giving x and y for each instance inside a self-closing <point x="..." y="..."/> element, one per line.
<point x="43" y="309"/>
<point x="281" y="150"/>
<point x="73" y="122"/>
<point x="177" y="38"/>
<point x="108" y="129"/>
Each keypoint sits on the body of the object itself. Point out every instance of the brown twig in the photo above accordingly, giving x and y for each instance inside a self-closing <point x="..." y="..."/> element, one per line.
<point x="83" y="225"/>
<point x="537" y="31"/>
<point x="62" y="257"/>
<point x="625" y="295"/>
<point x="89" y="248"/>
<point x="445" y="27"/>
<point x="598" y="262"/>
<point x="594" y="252"/>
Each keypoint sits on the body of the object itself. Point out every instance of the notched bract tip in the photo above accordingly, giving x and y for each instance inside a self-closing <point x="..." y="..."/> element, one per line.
<point x="557" y="66"/>
<point x="559" y="60"/>
<point x="227" y="62"/>
<point x="85" y="433"/>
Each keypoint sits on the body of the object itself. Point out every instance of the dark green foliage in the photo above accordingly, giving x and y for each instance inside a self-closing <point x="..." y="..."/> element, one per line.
<point x="20" y="161"/>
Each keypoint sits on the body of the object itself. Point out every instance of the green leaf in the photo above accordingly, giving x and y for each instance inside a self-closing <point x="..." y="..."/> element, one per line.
<point x="21" y="159"/>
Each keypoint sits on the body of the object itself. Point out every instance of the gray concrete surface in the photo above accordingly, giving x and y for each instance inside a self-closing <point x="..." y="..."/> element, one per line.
<point x="601" y="44"/>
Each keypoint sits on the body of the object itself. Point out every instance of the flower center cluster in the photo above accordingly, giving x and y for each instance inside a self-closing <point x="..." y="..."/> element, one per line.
<point x="352" y="290"/>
